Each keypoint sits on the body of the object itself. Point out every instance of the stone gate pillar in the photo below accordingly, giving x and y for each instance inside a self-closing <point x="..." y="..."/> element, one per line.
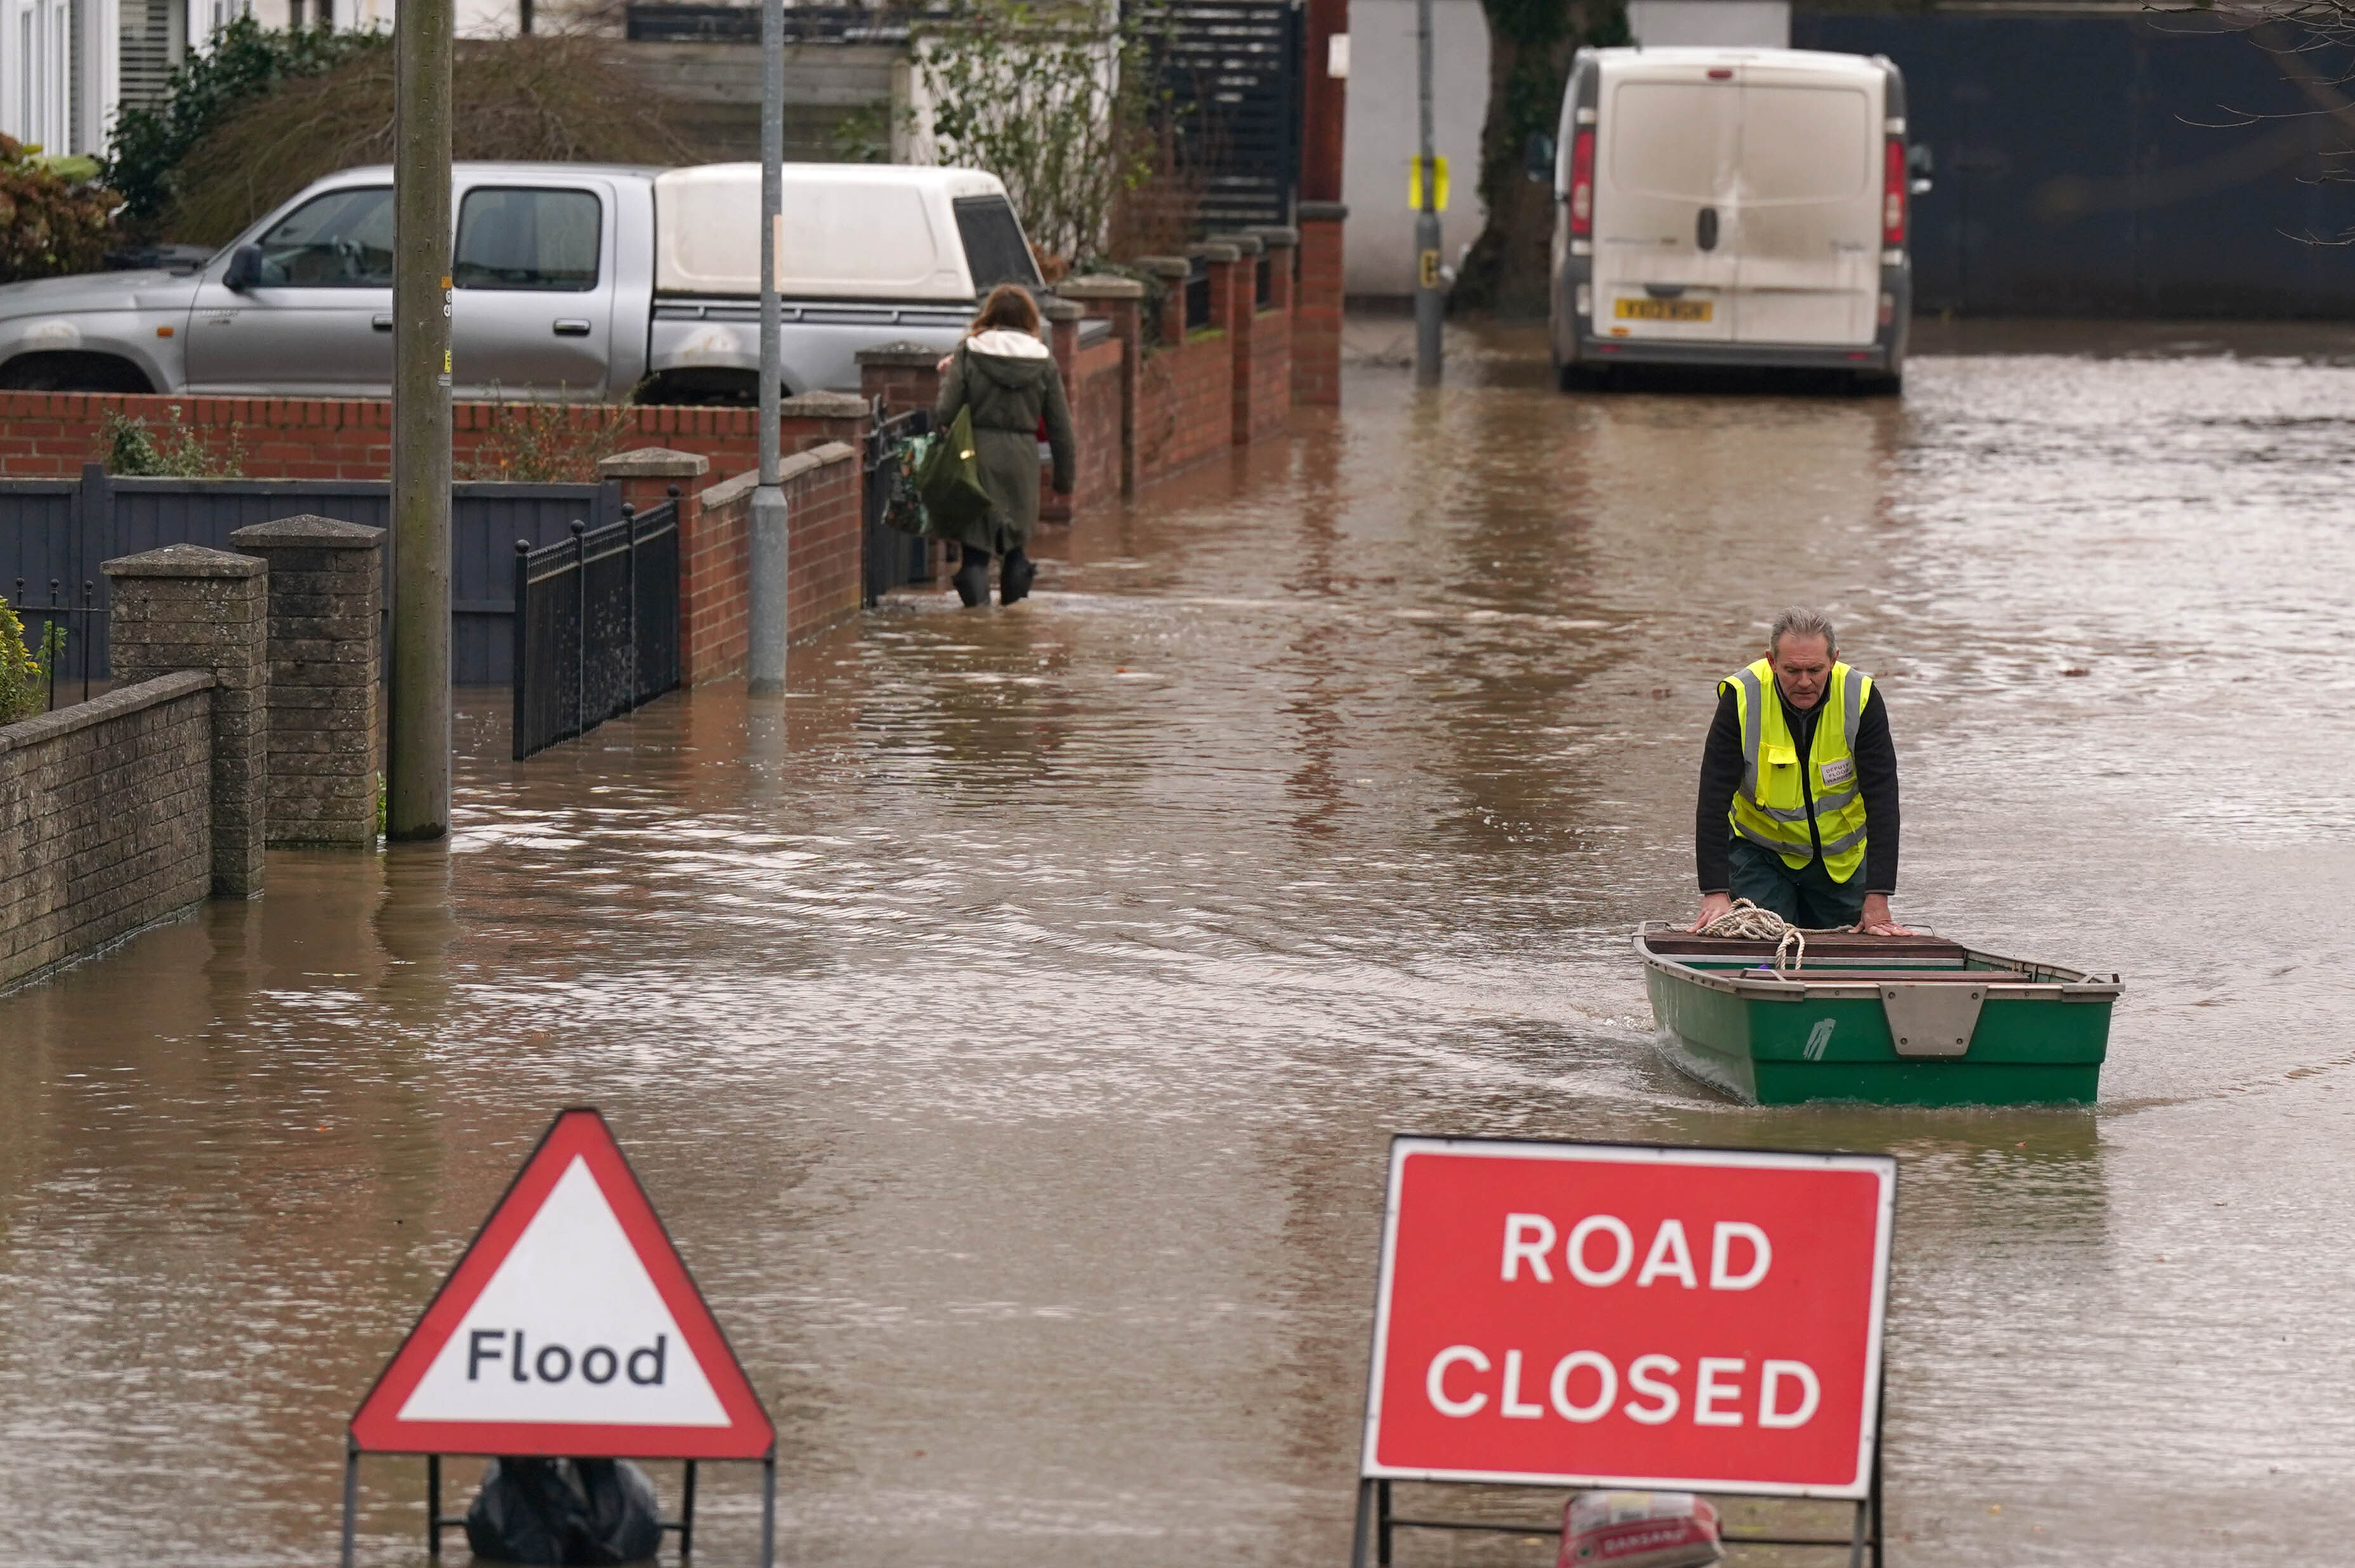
<point x="187" y="607"/>
<point x="326" y="660"/>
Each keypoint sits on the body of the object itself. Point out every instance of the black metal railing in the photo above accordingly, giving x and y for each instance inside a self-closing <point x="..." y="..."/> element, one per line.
<point x="894" y="557"/>
<point x="1263" y="281"/>
<point x="67" y="632"/>
<point x="1198" y="294"/>
<point x="596" y="624"/>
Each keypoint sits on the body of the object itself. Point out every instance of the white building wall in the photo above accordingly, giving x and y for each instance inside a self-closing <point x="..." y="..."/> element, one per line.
<point x="1382" y="128"/>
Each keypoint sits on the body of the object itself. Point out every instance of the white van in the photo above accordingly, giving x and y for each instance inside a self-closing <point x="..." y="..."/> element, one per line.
<point x="1732" y="206"/>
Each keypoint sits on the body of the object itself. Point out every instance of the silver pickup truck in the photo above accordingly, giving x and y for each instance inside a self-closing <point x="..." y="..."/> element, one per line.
<point x="580" y="283"/>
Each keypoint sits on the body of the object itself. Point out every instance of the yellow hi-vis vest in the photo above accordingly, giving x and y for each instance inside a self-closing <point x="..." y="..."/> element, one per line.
<point x="1770" y="805"/>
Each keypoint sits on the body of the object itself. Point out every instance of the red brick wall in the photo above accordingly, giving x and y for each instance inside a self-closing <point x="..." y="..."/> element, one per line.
<point x="51" y="434"/>
<point x="825" y="571"/>
<point x="1092" y="388"/>
<point x="1184" y="404"/>
<point x="1316" y="318"/>
<point x="1270" y="411"/>
<point x="826" y="568"/>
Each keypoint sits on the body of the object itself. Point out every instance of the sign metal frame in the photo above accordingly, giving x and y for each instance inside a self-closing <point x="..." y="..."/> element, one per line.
<point x="1375" y="1520"/>
<point x="585" y="1134"/>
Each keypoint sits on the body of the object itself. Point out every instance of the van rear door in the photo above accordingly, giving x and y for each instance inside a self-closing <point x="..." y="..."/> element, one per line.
<point x="1667" y="221"/>
<point x="1809" y="265"/>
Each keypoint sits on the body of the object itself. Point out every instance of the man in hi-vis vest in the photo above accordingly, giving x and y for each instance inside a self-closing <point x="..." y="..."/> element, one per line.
<point x="1799" y="788"/>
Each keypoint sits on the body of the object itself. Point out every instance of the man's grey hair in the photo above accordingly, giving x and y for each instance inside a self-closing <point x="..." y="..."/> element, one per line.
<point x="1807" y="623"/>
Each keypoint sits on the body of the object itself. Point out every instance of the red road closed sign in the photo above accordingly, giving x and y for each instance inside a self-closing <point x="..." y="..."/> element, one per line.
<point x="1617" y="1316"/>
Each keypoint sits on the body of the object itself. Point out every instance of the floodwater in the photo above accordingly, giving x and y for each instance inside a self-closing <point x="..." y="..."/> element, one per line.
<point x="1010" y="1023"/>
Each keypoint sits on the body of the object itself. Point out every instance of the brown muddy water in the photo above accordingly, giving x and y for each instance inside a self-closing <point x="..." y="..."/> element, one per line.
<point x="1010" y="1023"/>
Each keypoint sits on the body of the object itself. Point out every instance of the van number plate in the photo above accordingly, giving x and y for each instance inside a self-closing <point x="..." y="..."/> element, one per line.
<point x="1663" y="310"/>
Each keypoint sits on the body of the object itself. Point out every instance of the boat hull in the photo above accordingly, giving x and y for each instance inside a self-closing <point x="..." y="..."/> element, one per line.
<point x="1785" y="1045"/>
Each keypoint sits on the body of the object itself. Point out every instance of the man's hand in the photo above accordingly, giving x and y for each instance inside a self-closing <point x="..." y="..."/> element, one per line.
<point x="1714" y="905"/>
<point x="1878" y="920"/>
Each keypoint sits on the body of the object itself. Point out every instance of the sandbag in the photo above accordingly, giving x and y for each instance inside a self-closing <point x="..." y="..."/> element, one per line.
<point x="564" y="1513"/>
<point x="1639" y="1530"/>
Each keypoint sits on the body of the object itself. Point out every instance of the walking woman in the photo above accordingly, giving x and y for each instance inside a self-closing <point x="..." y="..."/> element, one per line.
<point x="1002" y="373"/>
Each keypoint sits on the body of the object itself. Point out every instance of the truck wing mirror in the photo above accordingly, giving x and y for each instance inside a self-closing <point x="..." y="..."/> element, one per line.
<point x="244" y="268"/>
<point x="1537" y="158"/>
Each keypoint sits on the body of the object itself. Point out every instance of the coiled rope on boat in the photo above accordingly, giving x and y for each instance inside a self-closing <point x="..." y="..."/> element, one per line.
<point x="1747" y="920"/>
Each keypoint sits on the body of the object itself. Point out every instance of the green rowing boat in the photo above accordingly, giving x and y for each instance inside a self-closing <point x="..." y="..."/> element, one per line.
<point x="1896" y="1021"/>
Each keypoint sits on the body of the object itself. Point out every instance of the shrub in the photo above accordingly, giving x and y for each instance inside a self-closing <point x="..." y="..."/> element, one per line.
<point x="49" y="223"/>
<point x="148" y="147"/>
<point x="552" y="98"/>
<point x="1039" y="98"/>
<point x="548" y="443"/>
<point x="126" y="447"/>
<point x="23" y="674"/>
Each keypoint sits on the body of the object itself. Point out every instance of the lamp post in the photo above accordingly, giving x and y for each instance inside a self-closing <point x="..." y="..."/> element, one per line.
<point x="765" y="611"/>
<point x="1428" y="301"/>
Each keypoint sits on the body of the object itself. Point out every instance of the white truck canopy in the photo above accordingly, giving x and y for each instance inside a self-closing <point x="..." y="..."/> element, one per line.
<point x="852" y="232"/>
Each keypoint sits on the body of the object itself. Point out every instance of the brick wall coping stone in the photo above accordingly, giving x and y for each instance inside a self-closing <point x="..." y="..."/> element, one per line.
<point x="184" y="560"/>
<point x="308" y="531"/>
<point x="1061" y="309"/>
<point x="828" y="405"/>
<point x="652" y="463"/>
<point x="1245" y="240"/>
<point x="1276" y="238"/>
<point x="1321" y="211"/>
<point x="1215" y="250"/>
<point x="114" y="704"/>
<point x="791" y="469"/>
<point x="915" y="354"/>
<point x="1171" y="267"/>
<point x="1101" y="286"/>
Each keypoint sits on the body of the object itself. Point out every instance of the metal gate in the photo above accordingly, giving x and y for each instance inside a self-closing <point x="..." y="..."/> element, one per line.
<point x="1231" y="72"/>
<point x="894" y="557"/>
<point x="596" y="625"/>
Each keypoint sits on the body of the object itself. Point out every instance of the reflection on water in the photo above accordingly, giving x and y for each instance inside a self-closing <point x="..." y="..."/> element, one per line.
<point x="1010" y="1023"/>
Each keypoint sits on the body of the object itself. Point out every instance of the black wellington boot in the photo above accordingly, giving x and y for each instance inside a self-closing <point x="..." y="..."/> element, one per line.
<point x="1013" y="578"/>
<point x="972" y="578"/>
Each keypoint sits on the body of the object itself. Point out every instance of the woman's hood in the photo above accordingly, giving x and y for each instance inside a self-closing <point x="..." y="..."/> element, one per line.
<point x="1013" y="359"/>
<point x="1005" y="344"/>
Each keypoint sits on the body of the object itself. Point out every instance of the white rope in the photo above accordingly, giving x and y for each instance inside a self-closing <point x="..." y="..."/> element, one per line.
<point x="1747" y="920"/>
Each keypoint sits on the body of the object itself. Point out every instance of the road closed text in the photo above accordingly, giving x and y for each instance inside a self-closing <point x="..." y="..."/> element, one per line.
<point x="1585" y="1386"/>
<point x="1614" y="1316"/>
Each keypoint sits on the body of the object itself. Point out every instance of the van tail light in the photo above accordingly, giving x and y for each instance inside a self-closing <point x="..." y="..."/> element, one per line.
<point x="1893" y="196"/>
<point x="1582" y="185"/>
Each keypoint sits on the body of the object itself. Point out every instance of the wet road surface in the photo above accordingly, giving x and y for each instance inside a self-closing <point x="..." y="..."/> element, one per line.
<point x="1009" y="1024"/>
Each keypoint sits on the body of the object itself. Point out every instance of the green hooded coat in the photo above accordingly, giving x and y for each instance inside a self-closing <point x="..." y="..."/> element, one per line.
<point x="1010" y="381"/>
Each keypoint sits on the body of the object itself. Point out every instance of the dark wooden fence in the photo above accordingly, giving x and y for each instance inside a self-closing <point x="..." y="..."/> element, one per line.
<point x="63" y="529"/>
<point x="2115" y="164"/>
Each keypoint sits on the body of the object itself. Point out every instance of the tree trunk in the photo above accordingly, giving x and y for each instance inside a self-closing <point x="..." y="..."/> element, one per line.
<point x="1530" y="45"/>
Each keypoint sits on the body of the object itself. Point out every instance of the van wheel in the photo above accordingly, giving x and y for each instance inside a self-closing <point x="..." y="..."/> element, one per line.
<point x="1583" y="377"/>
<point x="1874" y="384"/>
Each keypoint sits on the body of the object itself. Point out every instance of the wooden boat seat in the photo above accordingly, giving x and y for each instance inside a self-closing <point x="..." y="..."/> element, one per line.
<point x="1822" y="944"/>
<point x="1830" y="976"/>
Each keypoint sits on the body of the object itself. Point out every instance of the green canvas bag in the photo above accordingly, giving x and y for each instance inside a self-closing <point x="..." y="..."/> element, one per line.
<point x="949" y="478"/>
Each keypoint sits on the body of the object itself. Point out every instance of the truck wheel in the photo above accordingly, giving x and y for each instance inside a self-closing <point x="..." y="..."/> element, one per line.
<point x="67" y="372"/>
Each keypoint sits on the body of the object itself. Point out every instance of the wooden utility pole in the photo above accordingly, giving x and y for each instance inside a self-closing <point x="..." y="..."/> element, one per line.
<point x="417" y="747"/>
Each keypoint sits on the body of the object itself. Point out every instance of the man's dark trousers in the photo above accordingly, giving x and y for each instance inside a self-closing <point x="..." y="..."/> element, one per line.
<point x="1807" y="897"/>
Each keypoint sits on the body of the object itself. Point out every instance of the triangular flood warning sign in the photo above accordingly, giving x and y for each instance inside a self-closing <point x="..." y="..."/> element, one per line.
<point x="570" y="1327"/>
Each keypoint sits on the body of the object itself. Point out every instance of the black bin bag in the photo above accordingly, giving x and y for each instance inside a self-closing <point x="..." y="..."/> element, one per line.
<point x="564" y="1513"/>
